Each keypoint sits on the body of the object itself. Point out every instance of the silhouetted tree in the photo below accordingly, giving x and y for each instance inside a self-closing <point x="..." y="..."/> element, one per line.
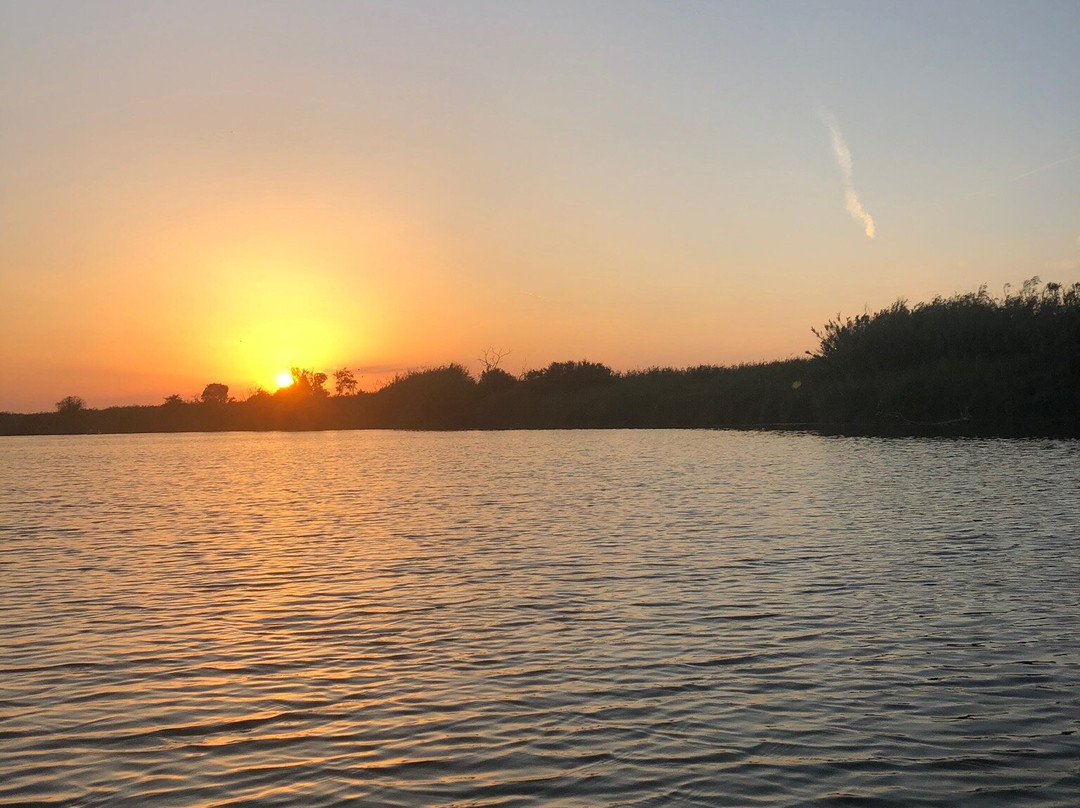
<point x="430" y="399"/>
<point x="70" y="404"/>
<point x="344" y="382"/>
<point x="174" y="400"/>
<point x="967" y="364"/>
<point x="969" y="356"/>
<point x="491" y="357"/>
<point x="566" y="377"/>
<point x="494" y="379"/>
<point x="964" y="327"/>
<point x="306" y="383"/>
<point x="215" y="393"/>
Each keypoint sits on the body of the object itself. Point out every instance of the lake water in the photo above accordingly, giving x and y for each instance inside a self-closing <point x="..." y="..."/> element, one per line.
<point x="644" y="618"/>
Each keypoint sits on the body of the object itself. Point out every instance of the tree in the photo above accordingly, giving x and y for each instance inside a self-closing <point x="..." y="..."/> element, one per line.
<point x="215" y="393"/>
<point x="344" y="382"/>
<point x="70" y="404"/>
<point x="491" y="358"/>
<point x="494" y="379"/>
<point x="174" y="400"/>
<point x="306" y="383"/>
<point x="569" y="377"/>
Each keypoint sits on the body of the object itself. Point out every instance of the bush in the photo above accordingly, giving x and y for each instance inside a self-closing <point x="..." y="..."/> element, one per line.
<point x="70" y="404"/>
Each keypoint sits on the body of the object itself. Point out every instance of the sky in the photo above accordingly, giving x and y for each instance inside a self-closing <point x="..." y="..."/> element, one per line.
<point x="200" y="192"/>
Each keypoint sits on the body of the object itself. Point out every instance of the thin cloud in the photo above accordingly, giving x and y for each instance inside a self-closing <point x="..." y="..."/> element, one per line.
<point x="843" y="160"/>
<point x="1040" y="169"/>
<point x="1008" y="180"/>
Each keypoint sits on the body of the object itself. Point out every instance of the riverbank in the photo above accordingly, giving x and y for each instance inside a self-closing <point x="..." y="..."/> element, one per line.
<point x="969" y="364"/>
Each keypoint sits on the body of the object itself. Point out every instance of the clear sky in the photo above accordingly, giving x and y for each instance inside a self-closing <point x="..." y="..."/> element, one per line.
<point x="217" y="191"/>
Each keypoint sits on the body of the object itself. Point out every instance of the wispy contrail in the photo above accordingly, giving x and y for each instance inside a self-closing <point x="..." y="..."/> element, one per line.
<point x="843" y="159"/>
<point x="1026" y="174"/>
<point x="1040" y="169"/>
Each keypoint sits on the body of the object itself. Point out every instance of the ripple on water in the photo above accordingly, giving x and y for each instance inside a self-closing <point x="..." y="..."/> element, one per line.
<point x="542" y="618"/>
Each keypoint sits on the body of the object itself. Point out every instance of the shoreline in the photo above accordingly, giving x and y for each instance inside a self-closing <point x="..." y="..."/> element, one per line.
<point x="973" y="430"/>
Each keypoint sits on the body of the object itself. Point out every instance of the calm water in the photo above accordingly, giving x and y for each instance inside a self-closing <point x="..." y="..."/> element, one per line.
<point x="540" y="618"/>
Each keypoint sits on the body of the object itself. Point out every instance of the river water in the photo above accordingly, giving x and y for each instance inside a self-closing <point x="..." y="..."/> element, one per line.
<point x="641" y="618"/>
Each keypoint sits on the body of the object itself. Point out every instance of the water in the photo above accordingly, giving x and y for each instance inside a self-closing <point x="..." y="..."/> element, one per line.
<point x="539" y="618"/>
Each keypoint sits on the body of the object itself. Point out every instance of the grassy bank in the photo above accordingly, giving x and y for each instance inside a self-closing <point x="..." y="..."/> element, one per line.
<point x="968" y="364"/>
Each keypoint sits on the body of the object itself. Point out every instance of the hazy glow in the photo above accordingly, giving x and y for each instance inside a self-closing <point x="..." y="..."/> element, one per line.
<point x="202" y="192"/>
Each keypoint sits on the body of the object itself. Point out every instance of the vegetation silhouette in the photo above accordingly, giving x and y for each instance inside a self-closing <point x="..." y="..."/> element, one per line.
<point x="967" y="364"/>
<point x="966" y="357"/>
<point x="305" y="384"/>
<point x="214" y="393"/>
<point x="70" y="404"/>
<point x="345" y="383"/>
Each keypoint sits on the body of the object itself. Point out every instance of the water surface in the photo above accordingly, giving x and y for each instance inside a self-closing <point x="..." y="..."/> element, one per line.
<point x="642" y="618"/>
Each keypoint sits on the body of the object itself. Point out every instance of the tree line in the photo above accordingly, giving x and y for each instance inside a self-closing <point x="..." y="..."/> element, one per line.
<point x="967" y="364"/>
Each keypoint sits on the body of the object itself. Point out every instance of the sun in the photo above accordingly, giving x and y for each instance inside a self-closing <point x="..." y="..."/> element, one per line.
<point x="283" y="379"/>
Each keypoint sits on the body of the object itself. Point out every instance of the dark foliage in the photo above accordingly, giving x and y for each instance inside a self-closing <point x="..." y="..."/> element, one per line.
<point x="496" y="380"/>
<point x="969" y="364"/>
<point x="426" y="399"/>
<point x="970" y="357"/>
<point x="345" y="383"/>
<point x="568" y="377"/>
<point x="70" y="404"/>
<point x="215" y="393"/>
<point x="305" y="384"/>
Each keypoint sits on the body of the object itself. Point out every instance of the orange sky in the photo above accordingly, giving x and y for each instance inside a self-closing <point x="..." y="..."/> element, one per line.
<point x="193" y="193"/>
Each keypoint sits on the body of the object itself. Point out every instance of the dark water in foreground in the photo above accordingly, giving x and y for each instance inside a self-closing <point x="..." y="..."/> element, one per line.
<point x="544" y="618"/>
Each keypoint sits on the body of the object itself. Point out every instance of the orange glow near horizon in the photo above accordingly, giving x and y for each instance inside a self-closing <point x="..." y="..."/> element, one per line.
<point x="392" y="190"/>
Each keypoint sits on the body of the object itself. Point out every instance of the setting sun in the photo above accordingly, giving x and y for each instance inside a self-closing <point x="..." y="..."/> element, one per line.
<point x="696" y="373"/>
